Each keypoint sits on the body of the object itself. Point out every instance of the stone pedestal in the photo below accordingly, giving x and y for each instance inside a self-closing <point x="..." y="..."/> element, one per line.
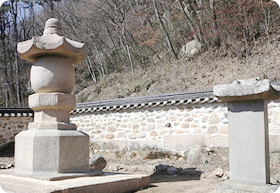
<point x="52" y="151"/>
<point x="248" y="134"/>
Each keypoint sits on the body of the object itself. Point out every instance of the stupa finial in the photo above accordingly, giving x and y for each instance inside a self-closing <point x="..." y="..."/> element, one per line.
<point x="53" y="26"/>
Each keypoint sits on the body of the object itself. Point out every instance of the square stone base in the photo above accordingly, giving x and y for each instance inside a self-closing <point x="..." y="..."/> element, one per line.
<point x="239" y="187"/>
<point x="51" y="151"/>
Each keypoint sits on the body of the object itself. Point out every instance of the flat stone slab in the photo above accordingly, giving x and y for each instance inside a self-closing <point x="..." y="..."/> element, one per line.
<point x="51" y="176"/>
<point x="251" y="89"/>
<point x="238" y="187"/>
<point x="109" y="182"/>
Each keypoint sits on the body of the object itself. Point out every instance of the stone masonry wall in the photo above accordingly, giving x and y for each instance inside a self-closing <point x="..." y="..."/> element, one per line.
<point x="173" y="129"/>
<point x="10" y="126"/>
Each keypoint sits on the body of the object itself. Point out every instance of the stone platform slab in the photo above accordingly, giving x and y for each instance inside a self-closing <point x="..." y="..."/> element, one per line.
<point x="109" y="182"/>
<point x="238" y="187"/>
<point x="51" y="176"/>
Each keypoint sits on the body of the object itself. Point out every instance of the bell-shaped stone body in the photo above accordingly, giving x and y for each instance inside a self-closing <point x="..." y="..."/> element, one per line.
<point x="56" y="74"/>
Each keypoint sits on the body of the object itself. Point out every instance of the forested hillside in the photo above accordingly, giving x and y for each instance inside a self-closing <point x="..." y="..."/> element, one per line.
<point x="133" y="47"/>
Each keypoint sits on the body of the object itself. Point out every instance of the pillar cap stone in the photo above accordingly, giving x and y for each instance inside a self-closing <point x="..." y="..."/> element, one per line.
<point x="52" y="42"/>
<point x="250" y="89"/>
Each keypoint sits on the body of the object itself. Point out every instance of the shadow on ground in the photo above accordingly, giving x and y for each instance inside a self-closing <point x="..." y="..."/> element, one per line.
<point x="8" y="151"/>
<point x="184" y="175"/>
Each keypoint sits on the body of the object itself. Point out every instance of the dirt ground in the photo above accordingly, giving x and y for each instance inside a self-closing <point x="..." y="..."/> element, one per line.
<point x="169" y="184"/>
<point x="192" y="179"/>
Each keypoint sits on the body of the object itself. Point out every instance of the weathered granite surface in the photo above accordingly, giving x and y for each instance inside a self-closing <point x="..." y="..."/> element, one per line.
<point x="251" y="89"/>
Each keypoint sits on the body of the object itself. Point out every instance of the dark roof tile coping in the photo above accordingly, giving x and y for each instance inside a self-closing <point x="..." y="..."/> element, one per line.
<point x="182" y="98"/>
<point x="16" y="112"/>
<point x="194" y="97"/>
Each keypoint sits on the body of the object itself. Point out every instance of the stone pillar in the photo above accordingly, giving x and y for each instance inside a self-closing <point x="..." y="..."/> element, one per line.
<point x="249" y="148"/>
<point x="52" y="144"/>
<point x="248" y="134"/>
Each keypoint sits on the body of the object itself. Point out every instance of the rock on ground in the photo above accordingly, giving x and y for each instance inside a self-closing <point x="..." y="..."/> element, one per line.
<point x="191" y="48"/>
<point x="97" y="162"/>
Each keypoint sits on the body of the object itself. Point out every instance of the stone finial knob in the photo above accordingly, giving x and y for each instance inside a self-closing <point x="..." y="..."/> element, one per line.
<point x="53" y="26"/>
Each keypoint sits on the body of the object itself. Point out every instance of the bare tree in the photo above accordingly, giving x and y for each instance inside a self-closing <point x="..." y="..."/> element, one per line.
<point x="214" y="21"/>
<point x="165" y="32"/>
<point x="4" y="52"/>
<point x="188" y="19"/>
<point x="14" y="12"/>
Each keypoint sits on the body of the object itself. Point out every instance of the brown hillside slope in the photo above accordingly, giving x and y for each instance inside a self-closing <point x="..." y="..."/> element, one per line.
<point x="203" y="71"/>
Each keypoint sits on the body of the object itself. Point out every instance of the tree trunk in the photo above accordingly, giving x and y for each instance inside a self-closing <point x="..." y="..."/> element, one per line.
<point x="101" y="64"/>
<point x="166" y="10"/>
<point x="188" y="20"/>
<point x="7" y="94"/>
<point x="19" y="99"/>
<point x="90" y="69"/>
<point x="112" y="40"/>
<point x="4" y="52"/>
<point x="214" y="20"/>
<point x="198" y="27"/>
<point x="14" y="7"/>
<point x="130" y="60"/>
<point x="126" y="48"/>
<point x="165" y="32"/>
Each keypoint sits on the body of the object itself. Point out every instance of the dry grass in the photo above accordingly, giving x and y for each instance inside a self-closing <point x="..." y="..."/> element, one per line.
<point x="216" y="66"/>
